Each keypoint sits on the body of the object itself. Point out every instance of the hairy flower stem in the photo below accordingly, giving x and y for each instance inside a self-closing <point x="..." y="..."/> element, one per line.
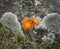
<point x="33" y="40"/>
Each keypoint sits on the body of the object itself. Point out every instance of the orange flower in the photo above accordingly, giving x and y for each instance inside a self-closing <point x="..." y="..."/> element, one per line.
<point x="35" y="21"/>
<point x="27" y="23"/>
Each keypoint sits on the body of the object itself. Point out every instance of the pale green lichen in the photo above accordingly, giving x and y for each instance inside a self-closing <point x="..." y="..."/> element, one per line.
<point x="49" y="38"/>
<point x="10" y="20"/>
<point x="52" y="22"/>
<point x="51" y="35"/>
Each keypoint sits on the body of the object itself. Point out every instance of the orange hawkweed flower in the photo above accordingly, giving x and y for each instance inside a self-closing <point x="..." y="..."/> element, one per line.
<point x="35" y="21"/>
<point x="27" y="23"/>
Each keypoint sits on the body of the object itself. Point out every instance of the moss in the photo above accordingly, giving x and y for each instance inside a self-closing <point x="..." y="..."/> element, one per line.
<point x="7" y="39"/>
<point x="10" y="41"/>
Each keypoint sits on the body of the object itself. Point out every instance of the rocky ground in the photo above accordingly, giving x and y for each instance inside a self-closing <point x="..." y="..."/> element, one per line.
<point x="26" y="8"/>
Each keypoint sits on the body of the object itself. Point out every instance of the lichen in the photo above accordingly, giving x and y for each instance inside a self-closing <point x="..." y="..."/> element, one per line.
<point x="10" y="20"/>
<point x="49" y="38"/>
<point x="52" y="22"/>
